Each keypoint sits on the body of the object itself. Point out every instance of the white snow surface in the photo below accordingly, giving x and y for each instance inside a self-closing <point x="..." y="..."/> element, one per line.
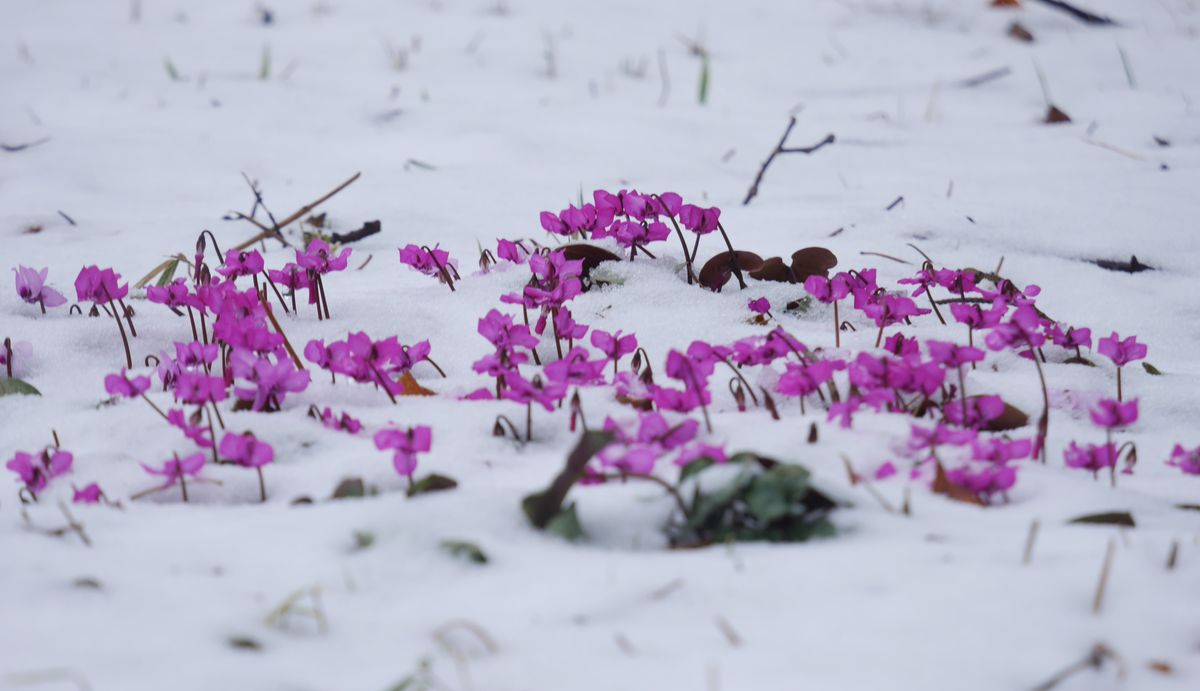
<point x="936" y="600"/>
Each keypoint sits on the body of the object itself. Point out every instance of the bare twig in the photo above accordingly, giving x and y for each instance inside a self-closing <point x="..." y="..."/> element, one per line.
<point x="781" y="149"/>
<point x="14" y="148"/>
<point x="1030" y="541"/>
<point x="1102" y="585"/>
<point x="1081" y="14"/>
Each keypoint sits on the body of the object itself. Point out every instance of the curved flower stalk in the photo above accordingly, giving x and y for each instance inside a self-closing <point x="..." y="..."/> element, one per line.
<point x="103" y="288"/>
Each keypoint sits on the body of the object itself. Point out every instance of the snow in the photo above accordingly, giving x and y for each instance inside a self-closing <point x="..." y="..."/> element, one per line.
<point x="936" y="600"/>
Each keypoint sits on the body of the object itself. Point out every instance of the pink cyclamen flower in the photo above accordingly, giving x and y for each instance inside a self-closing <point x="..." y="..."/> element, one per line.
<point x="198" y="388"/>
<point x="984" y="480"/>
<point x="405" y="444"/>
<point x="760" y="306"/>
<point x="891" y="309"/>
<point x="951" y="355"/>
<point x="319" y="258"/>
<point x="1093" y="457"/>
<point x="32" y="288"/>
<point x="272" y="381"/>
<point x="827" y="290"/>
<point x="90" y="494"/>
<point x="122" y="385"/>
<point x="1121" y="352"/>
<point x="239" y="263"/>
<point x="1111" y="414"/>
<point x="343" y="422"/>
<point x="191" y="428"/>
<point x="100" y="286"/>
<point x="699" y="220"/>
<point x="1071" y="338"/>
<point x="614" y="345"/>
<point x="512" y="251"/>
<point x="35" y="471"/>
<point x="176" y="468"/>
<point x="246" y="450"/>
<point x="1187" y="460"/>
<point x="433" y="262"/>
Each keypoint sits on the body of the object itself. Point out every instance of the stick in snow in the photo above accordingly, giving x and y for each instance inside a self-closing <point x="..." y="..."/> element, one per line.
<point x="781" y="149"/>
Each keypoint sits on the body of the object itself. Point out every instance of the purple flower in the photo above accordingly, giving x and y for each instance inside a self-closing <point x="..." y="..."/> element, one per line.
<point x="176" y="468"/>
<point x="760" y="306"/>
<point x="699" y="220"/>
<point x="976" y="317"/>
<point x="575" y="368"/>
<point x="272" y="380"/>
<point x="91" y="494"/>
<point x="318" y="257"/>
<point x="122" y="385"/>
<point x="198" y="388"/>
<point x="1187" y="460"/>
<point x="343" y="422"/>
<point x="1001" y="451"/>
<point x="191" y="428"/>
<point x="1023" y="329"/>
<point x="37" y="470"/>
<point x="100" y="286"/>
<point x="1071" y="338"/>
<point x="1121" y="352"/>
<point x="951" y="355"/>
<point x="537" y="390"/>
<point x="509" y="250"/>
<point x="429" y="262"/>
<point x="980" y="410"/>
<point x="1111" y="414"/>
<point x="614" y="346"/>
<point x="405" y="444"/>
<point x="32" y="288"/>
<point x="802" y="380"/>
<point x="246" y="450"/>
<point x="239" y="263"/>
<point x="174" y="295"/>
<point x="1092" y="457"/>
<point x="984" y="481"/>
<point x="891" y="309"/>
<point x="827" y="290"/>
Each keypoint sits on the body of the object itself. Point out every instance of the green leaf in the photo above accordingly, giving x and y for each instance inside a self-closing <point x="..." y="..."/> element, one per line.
<point x="1151" y="369"/>
<point x="168" y="273"/>
<point x="350" y="487"/>
<point x="10" y="386"/>
<point x="1123" y="518"/>
<point x="695" y="468"/>
<point x="432" y="483"/>
<point x="422" y="165"/>
<point x="773" y="493"/>
<point x="466" y="550"/>
<point x="363" y="539"/>
<point x="704" y="78"/>
<point x="172" y="73"/>
<point x="566" y="524"/>
<point x="264" y="66"/>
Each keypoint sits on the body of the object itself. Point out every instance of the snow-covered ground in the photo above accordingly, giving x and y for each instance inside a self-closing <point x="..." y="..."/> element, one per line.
<point x="466" y="119"/>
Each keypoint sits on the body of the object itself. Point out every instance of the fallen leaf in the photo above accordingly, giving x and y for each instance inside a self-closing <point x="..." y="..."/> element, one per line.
<point x="942" y="485"/>
<point x="410" y="387"/>
<point x="1122" y="518"/>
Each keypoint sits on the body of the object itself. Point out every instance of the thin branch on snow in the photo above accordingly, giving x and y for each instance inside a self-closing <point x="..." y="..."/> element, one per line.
<point x="781" y="149"/>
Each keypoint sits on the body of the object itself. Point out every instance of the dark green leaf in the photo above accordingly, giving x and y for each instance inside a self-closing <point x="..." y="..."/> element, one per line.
<point x="350" y="487"/>
<point x="363" y="539"/>
<point x="1151" y="369"/>
<point x="244" y="643"/>
<point x="1108" y="518"/>
<point x="168" y="273"/>
<point x="466" y="550"/>
<point x="432" y="483"/>
<point x="695" y="468"/>
<point x="566" y="524"/>
<point x="10" y="386"/>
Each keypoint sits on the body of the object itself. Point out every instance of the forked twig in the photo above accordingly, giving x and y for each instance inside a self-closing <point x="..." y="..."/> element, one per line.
<point x="780" y="148"/>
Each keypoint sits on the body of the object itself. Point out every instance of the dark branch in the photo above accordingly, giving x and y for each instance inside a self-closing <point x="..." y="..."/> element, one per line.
<point x="781" y="149"/>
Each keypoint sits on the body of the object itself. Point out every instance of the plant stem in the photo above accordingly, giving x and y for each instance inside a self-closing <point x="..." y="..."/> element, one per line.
<point x="1119" y="392"/>
<point x="529" y="421"/>
<point x="837" y="326"/>
<point x="962" y="394"/>
<point x="262" y="487"/>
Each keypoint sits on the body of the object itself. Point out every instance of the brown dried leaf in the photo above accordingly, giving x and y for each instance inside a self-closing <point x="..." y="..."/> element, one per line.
<point x="1020" y="33"/>
<point x="717" y="271"/>
<point x="773" y="269"/>
<point x="1055" y="116"/>
<point x="410" y="387"/>
<point x="942" y="485"/>
<point x="1011" y="418"/>
<point x="812" y="261"/>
